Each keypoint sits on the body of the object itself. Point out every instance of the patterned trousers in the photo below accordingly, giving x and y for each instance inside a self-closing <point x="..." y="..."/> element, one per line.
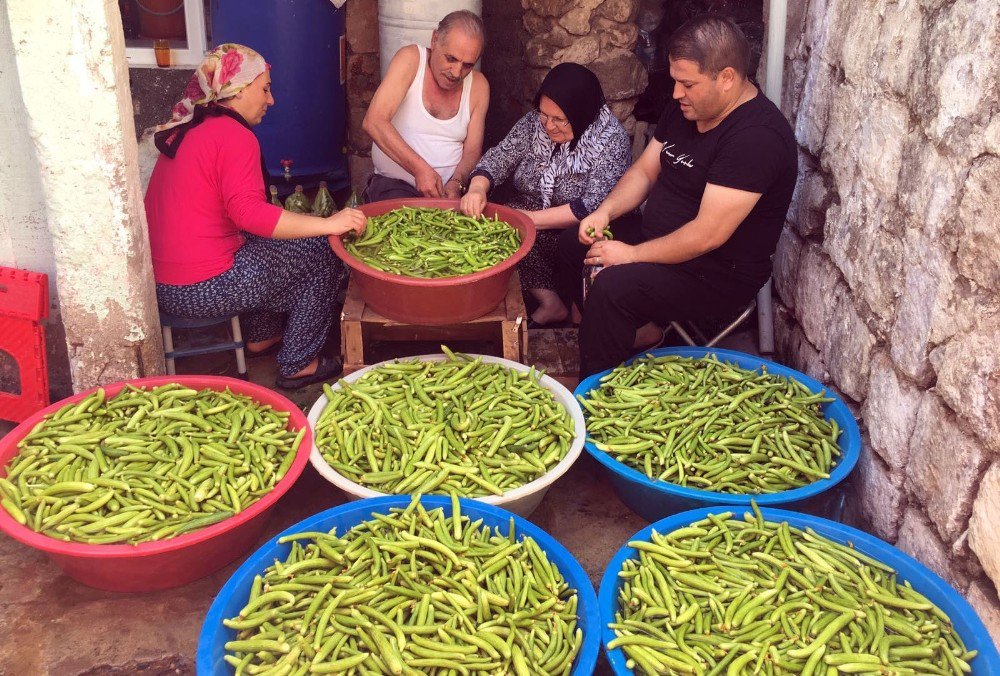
<point x="280" y="287"/>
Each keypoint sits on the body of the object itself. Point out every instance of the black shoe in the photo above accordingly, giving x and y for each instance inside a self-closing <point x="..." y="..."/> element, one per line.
<point x="327" y="369"/>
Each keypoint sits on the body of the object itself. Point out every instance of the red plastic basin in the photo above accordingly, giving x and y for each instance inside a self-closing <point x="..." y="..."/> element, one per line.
<point x="436" y="301"/>
<point x="150" y="566"/>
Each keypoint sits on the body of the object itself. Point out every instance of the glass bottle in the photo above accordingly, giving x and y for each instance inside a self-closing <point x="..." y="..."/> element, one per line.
<point x="298" y="202"/>
<point x="353" y="202"/>
<point x="275" y="200"/>
<point x="323" y="205"/>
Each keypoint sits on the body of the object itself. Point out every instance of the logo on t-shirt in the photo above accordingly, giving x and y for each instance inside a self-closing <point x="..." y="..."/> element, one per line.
<point x="676" y="158"/>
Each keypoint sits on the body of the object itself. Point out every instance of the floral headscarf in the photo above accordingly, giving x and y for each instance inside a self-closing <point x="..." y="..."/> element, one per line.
<point x="224" y="72"/>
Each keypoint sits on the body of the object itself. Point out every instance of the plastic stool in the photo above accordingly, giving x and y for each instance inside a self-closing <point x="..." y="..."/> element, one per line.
<point x="170" y="353"/>
<point x="24" y="302"/>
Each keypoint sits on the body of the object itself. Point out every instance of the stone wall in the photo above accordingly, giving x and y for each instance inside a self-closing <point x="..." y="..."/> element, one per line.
<point x="361" y="29"/>
<point x="888" y="272"/>
<point x="600" y="34"/>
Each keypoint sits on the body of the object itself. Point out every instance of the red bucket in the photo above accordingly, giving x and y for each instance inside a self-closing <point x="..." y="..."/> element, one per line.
<point x="164" y="564"/>
<point x="437" y="301"/>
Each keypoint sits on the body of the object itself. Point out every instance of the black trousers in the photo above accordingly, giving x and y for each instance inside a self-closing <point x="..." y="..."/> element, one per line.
<point x="625" y="297"/>
<point x="384" y="188"/>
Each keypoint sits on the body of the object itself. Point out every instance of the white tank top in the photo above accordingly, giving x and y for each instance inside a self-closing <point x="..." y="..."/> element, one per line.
<point x="439" y="142"/>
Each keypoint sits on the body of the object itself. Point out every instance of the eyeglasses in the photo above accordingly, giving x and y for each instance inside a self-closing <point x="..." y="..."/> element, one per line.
<point x="560" y="122"/>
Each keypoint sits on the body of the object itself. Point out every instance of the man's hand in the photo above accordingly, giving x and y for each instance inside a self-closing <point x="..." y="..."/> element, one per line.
<point x="428" y="182"/>
<point x="347" y="220"/>
<point x="473" y="203"/>
<point x="595" y="222"/>
<point x="607" y="253"/>
<point x="452" y="189"/>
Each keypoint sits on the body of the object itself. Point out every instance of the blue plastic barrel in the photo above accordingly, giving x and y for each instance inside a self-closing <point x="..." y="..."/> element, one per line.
<point x="301" y="39"/>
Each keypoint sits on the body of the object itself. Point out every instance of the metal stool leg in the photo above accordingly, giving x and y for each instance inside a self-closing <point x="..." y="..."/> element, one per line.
<point x="732" y="326"/>
<point x="168" y="350"/>
<point x="683" y="334"/>
<point x="241" y="359"/>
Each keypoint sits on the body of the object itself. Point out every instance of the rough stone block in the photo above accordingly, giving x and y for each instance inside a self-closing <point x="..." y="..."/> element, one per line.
<point x="361" y="26"/>
<point x="930" y="183"/>
<point x="979" y="248"/>
<point x="818" y="279"/>
<point x="992" y="135"/>
<point x="795" y="349"/>
<point x="621" y="73"/>
<point x="877" y="151"/>
<point x="536" y="24"/>
<point x="363" y="78"/>
<point x="860" y="242"/>
<point x="899" y="46"/>
<point x="983" y="597"/>
<point x="983" y="524"/>
<point x="857" y="39"/>
<point x="880" y="495"/>
<point x="920" y="291"/>
<point x="623" y="111"/>
<point x="616" y="34"/>
<point x="577" y="20"/>
<point x="538" y="52"/>
<point x="584" y="50"/>
<point x="622" y="11"/>
<point x="918" y="539"/>
<point x="945" y="465"/>
<point x="559" y="37"/>
<point x="968" y="370"/>
<point x="849" y="349"/>
<point x="553" y="8"/>
<point x="814" y="111"/>
<point x="811" y="200"/>
<point x="890" y="412"/>
<point x="786" y="266"/>
<point x="954" y="90"/>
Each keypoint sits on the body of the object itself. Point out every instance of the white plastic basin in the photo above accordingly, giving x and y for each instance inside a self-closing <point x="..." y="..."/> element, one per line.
<point x="522" y="500"/>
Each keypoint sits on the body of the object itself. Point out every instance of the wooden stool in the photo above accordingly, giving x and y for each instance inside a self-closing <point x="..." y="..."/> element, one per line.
<point x="359" y="324"/>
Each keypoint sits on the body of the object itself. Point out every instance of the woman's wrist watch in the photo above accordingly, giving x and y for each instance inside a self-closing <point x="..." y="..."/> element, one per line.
<point x="461" y="186"/>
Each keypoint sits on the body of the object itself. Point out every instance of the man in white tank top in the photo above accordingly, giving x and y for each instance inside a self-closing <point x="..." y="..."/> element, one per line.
<point x="426" y="119"/>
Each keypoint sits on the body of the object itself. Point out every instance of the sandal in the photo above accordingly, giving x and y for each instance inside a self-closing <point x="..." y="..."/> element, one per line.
<point x="327" y="369"/>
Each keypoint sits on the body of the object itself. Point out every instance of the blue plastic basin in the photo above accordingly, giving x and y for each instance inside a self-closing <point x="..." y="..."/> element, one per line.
<point x="968" y="625"/>
<point x="233" y="596"/>
<point x="652" y="499"/>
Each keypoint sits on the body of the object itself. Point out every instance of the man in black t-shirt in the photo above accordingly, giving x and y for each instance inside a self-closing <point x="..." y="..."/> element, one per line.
<point x="717" y="179"/>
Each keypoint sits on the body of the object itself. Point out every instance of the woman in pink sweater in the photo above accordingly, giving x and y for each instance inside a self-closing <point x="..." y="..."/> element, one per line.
<point x="219" y="247"/>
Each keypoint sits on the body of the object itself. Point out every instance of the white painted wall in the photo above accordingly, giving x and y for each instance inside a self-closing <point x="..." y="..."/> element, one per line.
<point x="24" y="236"/>
<point x="73" y="79"/>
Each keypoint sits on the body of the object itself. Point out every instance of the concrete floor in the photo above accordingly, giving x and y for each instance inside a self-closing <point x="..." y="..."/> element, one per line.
<point x="57" y="626"/>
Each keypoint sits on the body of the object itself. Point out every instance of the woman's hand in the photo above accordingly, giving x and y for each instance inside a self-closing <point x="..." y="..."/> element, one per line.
<point x="473" y="203"/>
<point x="347" y="220"/>
<point x="594" y="223"/>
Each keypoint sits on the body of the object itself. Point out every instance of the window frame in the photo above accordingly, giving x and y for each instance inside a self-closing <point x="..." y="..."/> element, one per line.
<point x="197" y="42"/>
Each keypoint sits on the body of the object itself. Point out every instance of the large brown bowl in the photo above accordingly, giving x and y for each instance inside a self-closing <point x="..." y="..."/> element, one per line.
<point x="447" y="300"/>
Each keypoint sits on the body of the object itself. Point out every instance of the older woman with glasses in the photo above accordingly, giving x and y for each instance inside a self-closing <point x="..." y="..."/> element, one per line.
<point x="562" y="160"/>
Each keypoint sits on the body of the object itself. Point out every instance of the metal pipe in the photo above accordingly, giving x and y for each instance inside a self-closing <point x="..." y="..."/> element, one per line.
<point x="777" y="19"/>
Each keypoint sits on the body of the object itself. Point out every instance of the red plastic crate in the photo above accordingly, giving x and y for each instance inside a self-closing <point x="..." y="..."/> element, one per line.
<point x="24" y="301"/>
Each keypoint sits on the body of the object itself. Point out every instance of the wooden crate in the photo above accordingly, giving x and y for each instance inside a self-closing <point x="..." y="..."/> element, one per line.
<point x="359" y="325"/>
